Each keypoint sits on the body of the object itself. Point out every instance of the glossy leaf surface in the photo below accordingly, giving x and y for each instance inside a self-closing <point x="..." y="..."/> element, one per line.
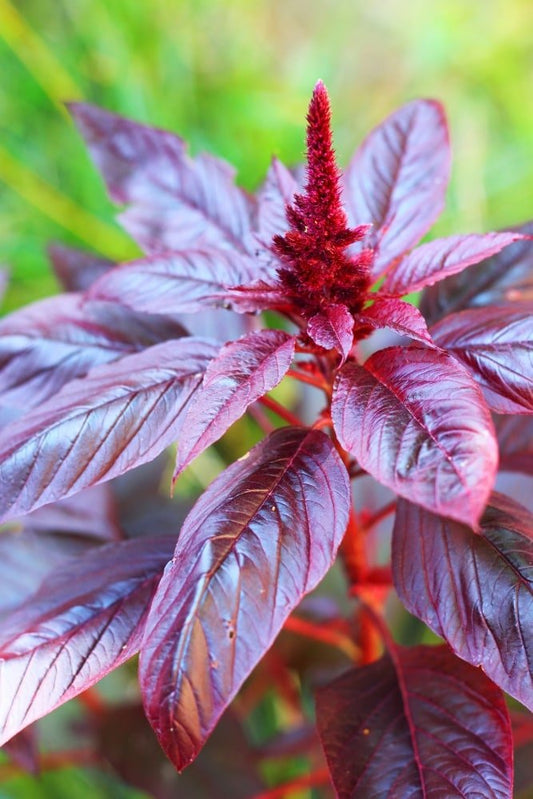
<point x="261" y="536"/>
<point x="496" y="345"/>
<point x="241" y="373"/>
<point x="118" y="417"/>
<point x="501" y="279"/>
<point x="397" y="315"/>
<point x="475" y="590"/>
<point x="437" y="259"/>
<point x="177" y="282"/>
<point x="398" y="178"/>
<point x="175" y="201"/>
<point x="418" y="724"/>
<point x="333" y="329"/>
<point x="51" y="342"/>
<point x="417" y="422"/>
<point x="83" y="622"/>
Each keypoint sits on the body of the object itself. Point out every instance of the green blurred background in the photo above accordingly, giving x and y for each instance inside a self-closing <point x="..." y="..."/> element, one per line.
<point x="234" y="77"/>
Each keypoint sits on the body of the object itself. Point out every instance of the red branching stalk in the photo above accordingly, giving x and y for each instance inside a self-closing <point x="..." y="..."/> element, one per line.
<point x="316" y="270"/>
<point x="319" y="777"/>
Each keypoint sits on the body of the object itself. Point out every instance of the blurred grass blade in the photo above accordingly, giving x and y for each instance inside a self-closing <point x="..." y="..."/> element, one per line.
<point x="63" y="210"/>
<point x="38" y="59"/>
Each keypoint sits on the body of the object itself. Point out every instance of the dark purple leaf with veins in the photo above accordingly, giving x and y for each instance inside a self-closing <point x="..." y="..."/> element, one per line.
<point x="175" y="201"/>
<point x="332" y="329"/>
<point x="496" y="345"/>
<point x="397" y="315"/>
<point x="417" y="422"/>
<point x="476" y="591"/>
<point x="261" y="536"/>
<point x="418" y="723"/>
<point x="431" y="262"/>
<point x="176" y="282"/>
<point x="515" y="442"/>
<point x="83" y="622"/>
<point x="397" y="179"/>
<point x="241" y="373"/>
<point x="121" y="415"/>
<point x="502" y="279"/>
<point x="51" y="342"/>
<point x="76" y="269"/>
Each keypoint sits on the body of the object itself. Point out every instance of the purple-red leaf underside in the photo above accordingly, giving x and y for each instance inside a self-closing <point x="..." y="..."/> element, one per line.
<point x="84" y="621"/>
<point x="175" y="201"/>
<point x="475" y="590"/>
<point x="496" y="346"/>
<point x="397" y="179"/>
<point x="76" y="269"/>
<point x="53" y="341"/>
<point x="263" y="534"/>
<point x="273" y="198"/>
<point x="417" y="422"/>
<point x="397" y="315"/>
<point x="501" y="279"/>
<point x="241" y="373"/>
<point x="175" y="282"/>
<point x="332" y="329"/>
<point x="418" y="724"/>
<point x="437" y="259"/>
<point x="515" y="442"/>
<point x="120" y="416"/>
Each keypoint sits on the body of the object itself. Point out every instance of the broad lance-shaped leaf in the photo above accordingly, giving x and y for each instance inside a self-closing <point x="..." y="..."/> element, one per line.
<point x="475" y="590"/>
<point x="176" y="282"/>
<point x="85" y="620"/>
<point x="241" y="373"/>
<point x="272" y="200"/>
<point x="417" y="422"/>
<point x="121" y="415"/>
<point x="263" y="534"/>
<point x="515" y="442"/>
<point x="437" y="259"/>
<point x="501" y="279"/>
<point x="175" y="201"/>
<point x="397" y="179"/>
<point x="53" y="341"/>
<point x="496" y="345"/>
<point x="76" y="269"/>
<point x="397" y="315"/>
<point x="418" y="723"/>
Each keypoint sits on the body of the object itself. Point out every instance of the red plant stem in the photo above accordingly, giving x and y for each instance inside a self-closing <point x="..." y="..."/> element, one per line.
<point x="353" y="551"/>
<point x="319" y="777"/>
<point x="321" y="423"/>
<point x="317" y="632"/>
<point x="52" y="761"/>
<point x="92" y="702"/>
<point x="304" y="377"/>
<point x="368" y="522"/>
<point x="282" y="412"/>
<point x="261" y="418"/>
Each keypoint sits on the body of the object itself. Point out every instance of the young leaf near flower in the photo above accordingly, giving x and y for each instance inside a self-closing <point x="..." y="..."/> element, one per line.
<point x="330" y="256"/>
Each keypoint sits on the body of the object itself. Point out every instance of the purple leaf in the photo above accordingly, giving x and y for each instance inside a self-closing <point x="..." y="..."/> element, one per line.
<point x="49" y="343"/>
<point x="177" y="282"/>
<point x="476" y="591"/>
<point x="4" y="280"/>
<point x="437" y="259"/>
<point x="398" y="177"/>
<point x="273" y="198"/>
<point x="515" y="441"/>
<point x="175" y="201"/>
<point x="501" y="279"/>
<point x="257" y="296"/>
<point x="82" y="623"/>
<point x="333" y="329"/>
<point x="261" y="536"/>
<point x="76" y="269"/>
<point x="419" y="723"/>
<point x="241" y="373"/>
<point x="121" y="415"/>
<point x="90" y="513"/>
<point x="496" y="346"/>
<point x="400" y="316"/>
<point x="417" y="422"/>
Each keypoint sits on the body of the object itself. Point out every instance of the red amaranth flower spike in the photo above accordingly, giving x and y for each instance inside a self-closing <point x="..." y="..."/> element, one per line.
<point x="317" y="271"/>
